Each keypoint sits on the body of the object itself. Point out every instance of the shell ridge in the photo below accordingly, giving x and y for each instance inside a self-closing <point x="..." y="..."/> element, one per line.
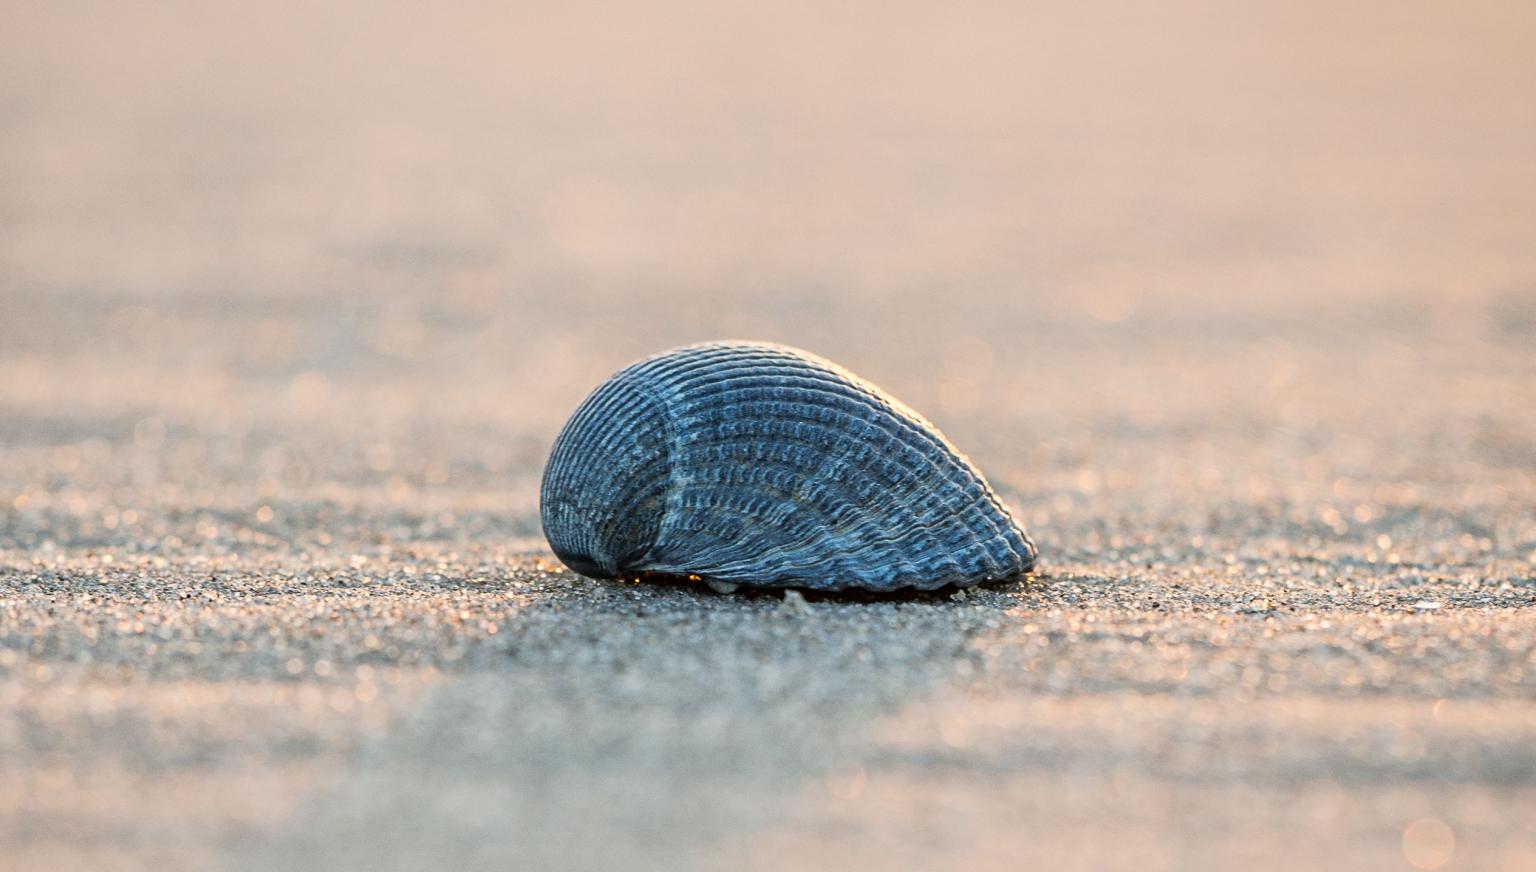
<point x="1000" y="521"/>
<point x="841" y="379"/>
<point x="668" y="441"/>
<point x="980" y="546"/>
<point x="680" y="508"/>
<point x="892" y="436"/>
<point x="932" y="491"/>
<point x="765" y="464"/>
<point x="577" y="487"/>
<point x="736" y="569"/>
<point x="822" y="525"/>
<point x="925" y="491"/>
<point x="945" y="493"/>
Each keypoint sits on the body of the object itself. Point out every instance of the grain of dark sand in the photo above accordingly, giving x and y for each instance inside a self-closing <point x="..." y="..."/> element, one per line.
<point x="1234" y="306"/>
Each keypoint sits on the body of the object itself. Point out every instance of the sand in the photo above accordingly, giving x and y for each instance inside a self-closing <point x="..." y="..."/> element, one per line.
<point x="1234" y="308"/>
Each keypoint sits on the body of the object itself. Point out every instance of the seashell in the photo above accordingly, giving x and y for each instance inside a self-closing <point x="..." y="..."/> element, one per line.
<point x="743" y="463"/>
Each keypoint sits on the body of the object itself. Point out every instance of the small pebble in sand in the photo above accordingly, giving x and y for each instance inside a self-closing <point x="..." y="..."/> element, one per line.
<point x="794" y="603"/>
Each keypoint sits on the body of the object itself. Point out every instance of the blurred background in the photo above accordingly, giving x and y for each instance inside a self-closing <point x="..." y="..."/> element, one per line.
<point x="393" y="244"/>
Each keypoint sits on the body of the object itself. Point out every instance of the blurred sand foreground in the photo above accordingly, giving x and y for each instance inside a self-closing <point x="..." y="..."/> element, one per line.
<point x="1234" y="303"/>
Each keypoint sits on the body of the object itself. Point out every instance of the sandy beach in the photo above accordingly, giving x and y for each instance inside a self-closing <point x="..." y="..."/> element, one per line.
<point x="1234" y="307"/>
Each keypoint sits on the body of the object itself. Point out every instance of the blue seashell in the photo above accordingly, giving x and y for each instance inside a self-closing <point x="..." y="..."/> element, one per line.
<point x="757" y="464"/>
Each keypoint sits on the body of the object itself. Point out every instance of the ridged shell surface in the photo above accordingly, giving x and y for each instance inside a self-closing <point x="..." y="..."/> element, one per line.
<point x="750" y="463"/>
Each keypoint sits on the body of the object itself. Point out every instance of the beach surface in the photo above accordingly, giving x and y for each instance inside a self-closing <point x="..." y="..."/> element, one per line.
<point x="1235" y="308"/>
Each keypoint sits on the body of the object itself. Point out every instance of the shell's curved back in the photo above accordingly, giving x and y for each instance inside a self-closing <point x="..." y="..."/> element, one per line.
<point x="766" y="465"/>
